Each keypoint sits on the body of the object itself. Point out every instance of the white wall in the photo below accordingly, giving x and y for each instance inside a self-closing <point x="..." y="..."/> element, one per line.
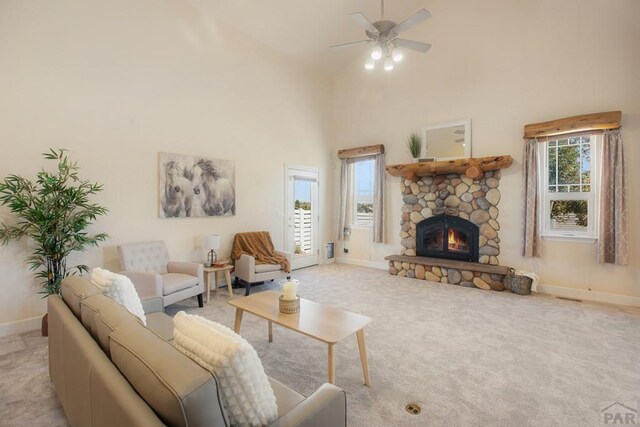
<point x="504" y="64"/>
<point x="116" y="82"/>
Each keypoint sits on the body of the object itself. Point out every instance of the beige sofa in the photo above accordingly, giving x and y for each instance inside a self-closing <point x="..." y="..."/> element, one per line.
<point x="108" y="369"/>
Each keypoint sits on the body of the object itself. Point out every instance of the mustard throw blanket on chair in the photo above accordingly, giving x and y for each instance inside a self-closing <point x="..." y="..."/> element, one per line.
<point x="258" y="244"/>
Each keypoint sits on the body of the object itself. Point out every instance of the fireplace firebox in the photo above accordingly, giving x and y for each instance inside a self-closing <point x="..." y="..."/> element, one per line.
<point x="448" y="237"/>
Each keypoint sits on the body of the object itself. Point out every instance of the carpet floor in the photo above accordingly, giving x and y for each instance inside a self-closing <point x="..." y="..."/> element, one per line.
<point x="465" y="356"/>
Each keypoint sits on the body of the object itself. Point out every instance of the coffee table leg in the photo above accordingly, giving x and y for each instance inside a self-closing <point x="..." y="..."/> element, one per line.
<point x="332" y="366"/>
<point x="228" y="276"/>
<point x="236" y="326"/>
<point x="363" y="356"/>
<point x="270" y="331"/>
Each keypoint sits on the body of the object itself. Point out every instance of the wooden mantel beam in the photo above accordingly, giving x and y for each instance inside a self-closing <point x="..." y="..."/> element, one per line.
<point x="369" y="150"/>
<point x="585" y="122"/>
<point x="472" y="167"/>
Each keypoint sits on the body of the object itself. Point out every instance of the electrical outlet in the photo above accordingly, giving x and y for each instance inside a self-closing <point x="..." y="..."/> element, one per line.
<point x="346" y="251"/>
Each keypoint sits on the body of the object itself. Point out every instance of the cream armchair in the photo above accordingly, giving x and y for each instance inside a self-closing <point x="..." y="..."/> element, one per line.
<point x="153" y="275"/>
<point x="249" y="272"/>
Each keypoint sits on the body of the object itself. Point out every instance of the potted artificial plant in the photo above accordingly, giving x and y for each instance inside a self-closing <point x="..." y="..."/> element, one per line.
<point x="54" y="213"/>
<point x="414" y="144"/>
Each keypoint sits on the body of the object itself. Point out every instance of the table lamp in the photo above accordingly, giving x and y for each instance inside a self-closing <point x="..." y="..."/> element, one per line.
<point x="212" y="242"/>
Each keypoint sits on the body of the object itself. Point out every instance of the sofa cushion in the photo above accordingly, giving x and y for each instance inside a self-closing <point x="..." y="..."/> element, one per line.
<point x="266" y="268"/>
<point x="179" y="391"/>
<point x="120" y="289"/>
<point x="246" y="392"/>
<point x="74" y="289"/>
<point x="101" y="316"/>
<point x="174" y="282"/>
<point x="161" y="324"/>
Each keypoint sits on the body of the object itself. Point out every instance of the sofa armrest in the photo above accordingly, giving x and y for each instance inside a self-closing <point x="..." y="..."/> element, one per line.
<point x="245" y="268"/>
<point x="327" y="406"/>
<point x="147" y="284"/>
<point x="153" y="305"/>
<point x="191" y="268"/>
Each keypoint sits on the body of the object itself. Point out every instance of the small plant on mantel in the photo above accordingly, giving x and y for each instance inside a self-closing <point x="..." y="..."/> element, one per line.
<point x="54" y="214"/>
<point x="414" y="144"/>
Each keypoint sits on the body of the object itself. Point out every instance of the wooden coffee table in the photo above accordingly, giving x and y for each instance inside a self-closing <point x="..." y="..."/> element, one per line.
<point x="321" y="322"/>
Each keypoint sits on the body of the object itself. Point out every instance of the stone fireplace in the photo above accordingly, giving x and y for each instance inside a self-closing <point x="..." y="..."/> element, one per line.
<point x="449" y="230"/>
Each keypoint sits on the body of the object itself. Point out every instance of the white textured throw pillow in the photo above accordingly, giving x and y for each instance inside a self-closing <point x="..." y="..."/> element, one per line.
<point x="246" y="393"/>
<point x="120" y="289"/>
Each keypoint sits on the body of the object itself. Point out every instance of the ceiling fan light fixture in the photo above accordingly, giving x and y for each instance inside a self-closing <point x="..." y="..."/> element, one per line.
<point x="397" y="54"/>
<point x="376" y="52"/>
<point x="370" y="64"/>
<point x="388" y="64"/>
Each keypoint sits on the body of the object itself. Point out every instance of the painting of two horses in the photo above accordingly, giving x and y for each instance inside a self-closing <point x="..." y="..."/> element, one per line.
<point x="192" y="186"/>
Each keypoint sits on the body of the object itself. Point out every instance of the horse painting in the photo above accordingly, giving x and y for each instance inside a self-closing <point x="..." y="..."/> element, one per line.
<point x="177" y="195"/>
<point x="195" y="187"/>
<point x="218" y="194"/>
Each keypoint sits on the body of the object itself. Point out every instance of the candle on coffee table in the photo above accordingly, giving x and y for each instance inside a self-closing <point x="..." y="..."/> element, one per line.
<point x="289" y="290"/>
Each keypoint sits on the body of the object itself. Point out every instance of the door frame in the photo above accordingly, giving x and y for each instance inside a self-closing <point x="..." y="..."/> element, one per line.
<point x="312" y="173"/>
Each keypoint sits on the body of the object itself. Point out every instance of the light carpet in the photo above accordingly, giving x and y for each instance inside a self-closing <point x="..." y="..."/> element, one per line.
<point x="466" y="356"/>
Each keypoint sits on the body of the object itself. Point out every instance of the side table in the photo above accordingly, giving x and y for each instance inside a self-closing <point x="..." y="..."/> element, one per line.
<point x="215" y="270"/>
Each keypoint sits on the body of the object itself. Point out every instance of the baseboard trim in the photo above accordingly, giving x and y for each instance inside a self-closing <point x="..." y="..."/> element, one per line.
<point x="20" y="326"/>
<point x="380" y="265"/>
<point x="582" y="294"/>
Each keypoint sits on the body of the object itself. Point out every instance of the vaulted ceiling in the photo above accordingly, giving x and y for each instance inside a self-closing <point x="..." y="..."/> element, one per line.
<point x="304" y="29"/>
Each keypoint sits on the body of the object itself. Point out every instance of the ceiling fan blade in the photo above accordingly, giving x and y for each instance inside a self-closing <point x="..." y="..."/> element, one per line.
<point x="412" y="44"/>
<point x="364" y="22"/>
<point x="415" y="19"/>
<point x="349" y="44"/>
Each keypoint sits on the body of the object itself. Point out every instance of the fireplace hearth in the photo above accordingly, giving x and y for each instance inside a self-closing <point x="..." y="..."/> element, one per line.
<point x="447" y="237"/>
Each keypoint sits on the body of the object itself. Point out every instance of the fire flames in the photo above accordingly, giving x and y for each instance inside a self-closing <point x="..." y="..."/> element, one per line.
<point x="455" y="242"/>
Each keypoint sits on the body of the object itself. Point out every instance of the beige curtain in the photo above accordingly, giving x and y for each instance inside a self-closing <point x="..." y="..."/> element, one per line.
<point x="613" y="235"/>
<point x="379" y="232"/>
<point x="530" y="217"/>
<point x="346" y="195"/>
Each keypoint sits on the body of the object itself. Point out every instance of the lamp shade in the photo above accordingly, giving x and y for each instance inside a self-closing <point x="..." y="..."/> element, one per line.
<point x="212" y="241"/>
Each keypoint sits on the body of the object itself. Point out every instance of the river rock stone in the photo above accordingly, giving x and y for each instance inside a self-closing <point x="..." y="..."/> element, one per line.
<point x="402" y="273"/>
<point x="432" y="205"/>
<point x="455" y="181"/>
<point x="393" y="271"/>
<point x="444" y="279"/>
<point x="467" y="275"/>
<point x="478" y="194"/>
<point x="426" y="212"/>
<point x="431" y="277"/>
<point x="452" y="202"/>
<point x="466" y="179"/>
<point x="410" y="252"/>
<point x="410" y="199"/>
<point x="474" y="188"/>
<point x="409" y="243"/>
<point x="493" y="212"/>
<point x="484" y="259"/>
<point x="416" y="217"/>
<point x="397" y="265"/>
<point x="422" y="202"/>
<point x="464" y="215"/>
<point x="494" y="224"/>
<point x="406" y="208"/>
<point x="479" y="217"/>
<point x="430" y="197"/>
<point x="420" y="271"/>
<point x="466" y="197"/>
<point x="437" y="211"/>
<point x="493" y="260"/>
<point x="466" y="207"/>
<point x="481" y="283"/>
<point x="487" y="231"/>
<point x="493" y="243"/>
<point x="451" y="212"/>
<point x="454" y="276"/>
<point x="492" y="182"/>
<point x="461" y="189"/>
<point x="467" y="284"/>
<point x="403" y="234"/>
<point x="493" y="196"/>
<point x="482" y="241"/>
<point x="436" y="271"/>
<point x="488" y="250"/>
<point x="411" y="274"/>
<point x="415" y="188"/>
<point x="412" y="232"/>
<point x="483" y="203"/>
<point x="497" y="286"/>
<point x="444" y="193"/>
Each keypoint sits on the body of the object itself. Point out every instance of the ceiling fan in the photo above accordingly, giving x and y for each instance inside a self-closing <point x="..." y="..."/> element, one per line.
<point x="384" y="34"/>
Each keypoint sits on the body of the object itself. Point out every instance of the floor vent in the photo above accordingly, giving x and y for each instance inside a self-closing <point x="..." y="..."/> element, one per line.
<point x="570" y="299"/>
<point x="413" y="408"/>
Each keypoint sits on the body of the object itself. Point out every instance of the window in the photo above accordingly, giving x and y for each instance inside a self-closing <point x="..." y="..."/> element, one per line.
<point x="363" y="173"/>
<point x="569" y="186"/>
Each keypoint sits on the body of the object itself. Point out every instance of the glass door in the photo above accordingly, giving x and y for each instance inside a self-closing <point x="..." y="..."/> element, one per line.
<point x="302" y="216"/>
